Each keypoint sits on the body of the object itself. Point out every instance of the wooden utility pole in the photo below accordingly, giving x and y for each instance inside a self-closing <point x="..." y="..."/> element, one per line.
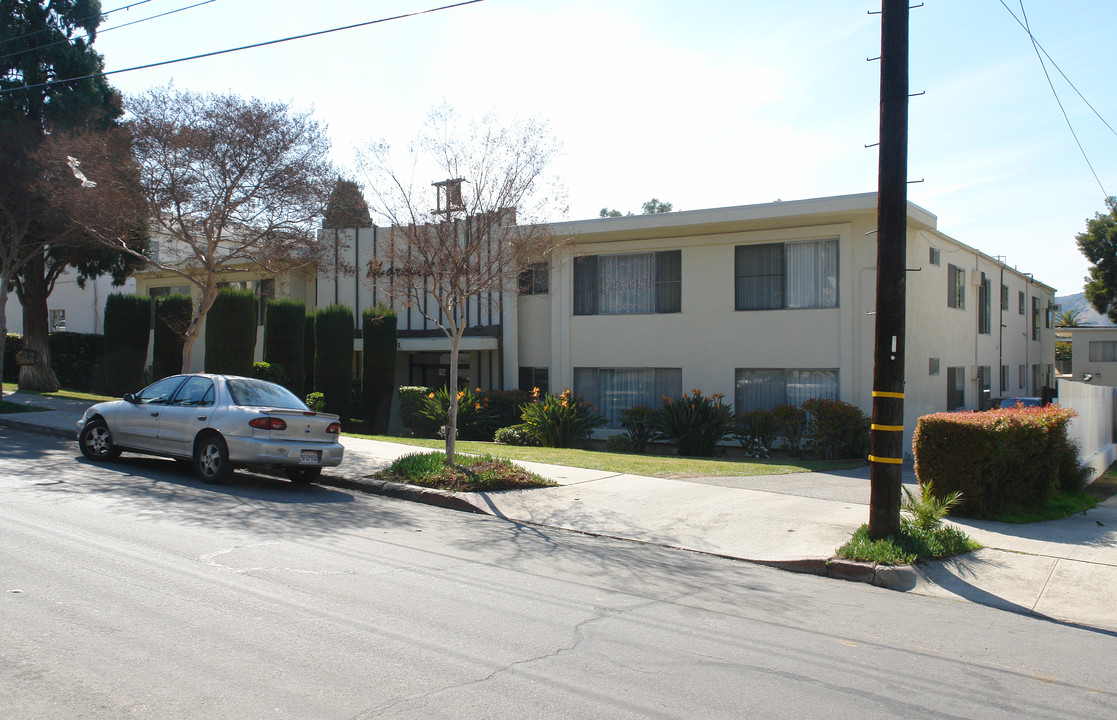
<point x="886" y="456"/>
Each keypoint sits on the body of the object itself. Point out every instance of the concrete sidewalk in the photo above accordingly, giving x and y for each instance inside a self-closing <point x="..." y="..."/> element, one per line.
<point x="1065" y="570"/>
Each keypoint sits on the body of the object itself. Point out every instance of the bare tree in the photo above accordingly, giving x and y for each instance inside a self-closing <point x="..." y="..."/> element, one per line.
<point x="462" y="241"/>
<point x="227" y="181"/>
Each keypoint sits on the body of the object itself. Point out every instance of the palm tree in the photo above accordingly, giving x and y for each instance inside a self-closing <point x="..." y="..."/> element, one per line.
<point x="1069" y="318"/>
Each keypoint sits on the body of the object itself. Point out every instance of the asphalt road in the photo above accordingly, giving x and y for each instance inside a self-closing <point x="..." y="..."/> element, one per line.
<point x="132" y="590"/>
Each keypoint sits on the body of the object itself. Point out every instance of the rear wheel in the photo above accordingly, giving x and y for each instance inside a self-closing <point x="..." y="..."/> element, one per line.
<point x="211" y="459"/>
<point x="302" y="475"/>
<point x="96" y="442"/>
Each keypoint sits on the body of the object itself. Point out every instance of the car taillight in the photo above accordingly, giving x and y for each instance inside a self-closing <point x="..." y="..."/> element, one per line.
<point x="268" y="423"/>
<point x="334" y="428"/>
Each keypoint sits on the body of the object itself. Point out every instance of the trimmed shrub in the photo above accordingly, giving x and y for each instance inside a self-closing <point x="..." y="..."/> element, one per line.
<point x="172" y="316"/>
<point x="998" y="459"/>
<point x="515" y="435"/>
<point x="790" y="423"/>
<point x="308" y="351"/>
<point x="695" y="423"/>
<point x="269" y="372"/>
<point x="76" y="359"/>
<point x="476" y="420"/>
<point x="755" y="430"/>
<point x="378" y="327"/>
<point x="639" y="423"/>
<point x="837" y="429"/>
<point x="316" y="401"/>
<point x="561" y="420"/>
<point x="618" y="443"/>
<point x="12" y="345"/>
<point x="284" y="337"/>
<point x="412" y="400"/>
<point x="127" y="325"/>
<point x="506" y="406"/>
<point x="333" y="357"/>
<point x="231" y="333"/>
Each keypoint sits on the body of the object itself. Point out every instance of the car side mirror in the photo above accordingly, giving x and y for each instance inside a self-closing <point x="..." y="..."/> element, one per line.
<point x="129" y="398"/>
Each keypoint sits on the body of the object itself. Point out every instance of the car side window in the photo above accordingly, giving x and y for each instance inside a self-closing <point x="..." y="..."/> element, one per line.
<point x="158" y="393"/>
<point x="195" y="392"/>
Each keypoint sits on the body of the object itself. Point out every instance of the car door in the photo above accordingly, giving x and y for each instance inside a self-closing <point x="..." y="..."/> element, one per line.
<point x="136" y="423"/>
<point x="186" y="413"/>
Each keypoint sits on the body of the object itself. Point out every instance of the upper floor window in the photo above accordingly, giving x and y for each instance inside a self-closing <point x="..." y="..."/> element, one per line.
<point x="535" y="279"/>
<point x="628" y="284"/>
<point x="1021" y="297"/>
<point x="936" y="257"/>
<point x="984" y="306"/>
<point x="787" y="275"/>
<point x="1004" y="297"/>
<point x="1035" y="318"/>
<point x="955" y="287"/>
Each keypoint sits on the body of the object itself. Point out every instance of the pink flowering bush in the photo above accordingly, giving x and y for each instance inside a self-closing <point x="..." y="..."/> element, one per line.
<point x="998" y="459"/>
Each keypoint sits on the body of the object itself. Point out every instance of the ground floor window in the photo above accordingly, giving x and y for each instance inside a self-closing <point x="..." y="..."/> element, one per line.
<point x="614" y="390"/>
<point x="535" y="377"/>
<point x="765" y="388"/>
<point x="1004" y="379"/>
<point x="955" y="388"/>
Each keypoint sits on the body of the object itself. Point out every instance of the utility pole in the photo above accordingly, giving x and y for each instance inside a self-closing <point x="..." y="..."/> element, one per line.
<point x="886" y="456"/>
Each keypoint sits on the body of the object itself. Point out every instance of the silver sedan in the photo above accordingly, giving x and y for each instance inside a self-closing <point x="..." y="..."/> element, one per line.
<point x="218" y="422"/>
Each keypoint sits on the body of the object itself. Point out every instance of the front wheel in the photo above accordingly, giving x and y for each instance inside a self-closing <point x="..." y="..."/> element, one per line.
<point x="211" y="459"/>
<point x="96" y="442"/>
<point x="302" y="475"/>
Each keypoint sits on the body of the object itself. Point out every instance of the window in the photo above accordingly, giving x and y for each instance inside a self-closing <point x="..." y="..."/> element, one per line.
<point x="1023" y="374"/>
<point x="936" y="257"/>
<point x="1004" y="297"/>
<point x="786" y="275"/>
<point x="955" y="287"/>
<point x="628" y="284"/>
<point x="764" y="389"/>
<point x="1047" y="317"/>
<point x="614" y="390"/>
<point x="195" y="392"/>
<point x="533" y="377"/>
<point x="1004" y="379"/>
<point x="57" y="320"/>
<point x="955" y="388"/>
<point x="984" y="383"/>
<point x="160" y="392"/>
<point x="535" y="279"/>
<point x="1021" y="296"/>
<point x="1035" y="318"/>
<point x="168" y="290"/>
<point x="933" y="366"/>
<point x="984" y="306"/>
<point x="1037" y="379"/>
<point x="1103" y="351"/>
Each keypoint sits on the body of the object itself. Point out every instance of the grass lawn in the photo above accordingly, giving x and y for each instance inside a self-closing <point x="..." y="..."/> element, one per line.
<point x="64" y="394"/>
<point x="11" y="407"/>
<point x="663" y="466"/>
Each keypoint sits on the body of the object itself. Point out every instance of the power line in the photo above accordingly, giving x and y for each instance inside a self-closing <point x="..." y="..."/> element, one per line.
<point x="1039" y="56"/>
<point x="79" y="20"/>
<point x="105" y="30"/>
<point x="242" y="47"/>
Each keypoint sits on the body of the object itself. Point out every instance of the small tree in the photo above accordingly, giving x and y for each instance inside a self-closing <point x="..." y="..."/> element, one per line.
<point x="378" y="328"/>
<point x="333" y="357"/>
<point x="127" y="323"/>
<point x="347" y="207"/>
<point x="284" y="337"/>
<point x="231" y="333"/>
<point x="1099" y="244"/>
<point x="469" y="246"/>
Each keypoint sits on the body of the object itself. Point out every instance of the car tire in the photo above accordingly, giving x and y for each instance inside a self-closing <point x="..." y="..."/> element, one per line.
<point x="302" y="475"/>
<point x="96" y="442"/>
<point x="211" y="459"/>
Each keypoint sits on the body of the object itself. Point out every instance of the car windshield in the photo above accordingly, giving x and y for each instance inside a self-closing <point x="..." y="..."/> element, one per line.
<point x="260" y="393"/>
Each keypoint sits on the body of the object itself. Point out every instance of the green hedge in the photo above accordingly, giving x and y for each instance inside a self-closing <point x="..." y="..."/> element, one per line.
<point x="12" y="345"/>
<point x="127" y="326"/>
<point x="284" y="328"/>
<point x="998" y="459"/>
<point x="308" y="353"/>
<point x="172" y="317"/>
<point x="333" y="357"/>
<point x="412" y="401"/>
<point x="76" y="360"/>
<point x="231" y="333"/>
<point x="378" y="328"/>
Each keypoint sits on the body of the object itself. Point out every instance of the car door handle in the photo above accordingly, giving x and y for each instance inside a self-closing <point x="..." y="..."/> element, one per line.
<point x="154" y="414"/>
<point x="202" y="418"/>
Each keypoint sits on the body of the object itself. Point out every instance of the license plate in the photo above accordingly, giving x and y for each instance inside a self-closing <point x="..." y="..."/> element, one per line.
<point x="310" y="457"/>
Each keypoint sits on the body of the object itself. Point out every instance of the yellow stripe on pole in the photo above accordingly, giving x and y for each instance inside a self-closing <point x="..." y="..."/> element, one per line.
<point x="882" y="393"/>
<point x="887" y="428"/>
<point x="887" y="461"/>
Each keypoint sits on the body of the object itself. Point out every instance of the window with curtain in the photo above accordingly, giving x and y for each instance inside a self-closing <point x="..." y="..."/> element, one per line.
<point x="628" y="284"/>
<point x="955" y="287"/>
<point x="1103" y="351"/>
<point x="786" y="275"/>
<point x="765" y="388"/>
<point x="614" y="390"/>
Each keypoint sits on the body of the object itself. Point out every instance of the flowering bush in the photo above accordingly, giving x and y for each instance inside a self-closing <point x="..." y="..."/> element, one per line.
<point x="561" y="420"/>
<point x="1013" y="457"/>
<point x="695" y="423"/>
<point x="476" y="420"/>
<point x="837" y="429"/>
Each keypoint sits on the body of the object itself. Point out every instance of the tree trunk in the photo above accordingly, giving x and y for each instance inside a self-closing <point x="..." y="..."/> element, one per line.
<point x="452" y="415"/>
<point x="3" y="328"/>
<point x="39" y="376"/>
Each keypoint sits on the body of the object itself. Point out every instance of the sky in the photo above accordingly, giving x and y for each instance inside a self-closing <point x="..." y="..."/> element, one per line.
<point x="703" y="103"/>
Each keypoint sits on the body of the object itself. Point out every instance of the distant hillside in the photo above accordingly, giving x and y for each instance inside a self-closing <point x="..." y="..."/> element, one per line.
<point x="1090" y="316"/>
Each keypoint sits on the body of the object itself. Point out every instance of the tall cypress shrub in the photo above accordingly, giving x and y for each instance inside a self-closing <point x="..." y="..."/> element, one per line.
<point x="378" y="327"/>
<point x="127" y="325"/>
<point x="333" y="357"/>
<point x="231" y="333"/>
<point x="284" y="328"/>
<point x="172" y="316"/>
<point x="308" y="354"/>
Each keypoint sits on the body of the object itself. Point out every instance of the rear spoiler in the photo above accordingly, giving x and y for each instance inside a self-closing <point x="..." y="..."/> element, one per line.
<point x="289" y="412"/>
